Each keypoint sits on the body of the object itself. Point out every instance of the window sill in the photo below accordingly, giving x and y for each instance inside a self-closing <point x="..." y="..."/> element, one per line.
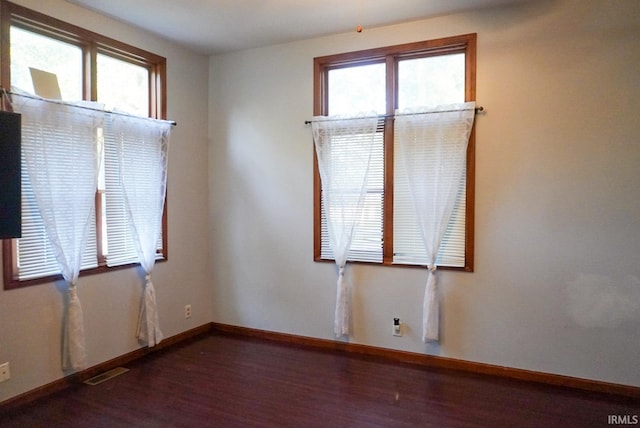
<point x="398" y="265"/>
<point x="14" y="283"/>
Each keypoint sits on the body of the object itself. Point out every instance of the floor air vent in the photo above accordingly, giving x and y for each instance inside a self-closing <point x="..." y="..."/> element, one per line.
<point x="103" y="377"/>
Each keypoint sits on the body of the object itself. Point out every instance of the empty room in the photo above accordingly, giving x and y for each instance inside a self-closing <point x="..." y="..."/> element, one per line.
<point x="320" y="213"/>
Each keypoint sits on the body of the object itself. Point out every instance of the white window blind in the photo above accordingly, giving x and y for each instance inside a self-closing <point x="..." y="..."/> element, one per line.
<point x="367" y="241"/>
<point x="408" y="246"/>
<point x="121" y="247"/>
<point x="36" y="258"/>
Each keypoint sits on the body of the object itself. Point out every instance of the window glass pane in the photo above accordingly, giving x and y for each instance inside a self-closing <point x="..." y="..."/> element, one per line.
<point x="359" y="89"/>
<point x="431" y="81"/>
<point x="123" y="85"/>
<point x="31" y="50"/>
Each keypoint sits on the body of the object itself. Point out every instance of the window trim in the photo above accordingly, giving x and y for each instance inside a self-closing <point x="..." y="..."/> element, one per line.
<point x="91" y="44"/>
<point x="390" y="55"/>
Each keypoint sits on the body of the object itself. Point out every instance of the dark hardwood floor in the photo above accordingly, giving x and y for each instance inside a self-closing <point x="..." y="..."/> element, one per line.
<point x="227" y="381"/>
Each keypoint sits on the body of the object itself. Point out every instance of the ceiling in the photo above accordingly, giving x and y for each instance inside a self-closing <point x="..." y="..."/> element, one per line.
<point x="218" y="26"/>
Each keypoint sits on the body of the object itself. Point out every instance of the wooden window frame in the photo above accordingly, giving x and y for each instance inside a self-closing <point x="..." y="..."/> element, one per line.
<point x="390" y="56"/>
<point x="91" y="44"/>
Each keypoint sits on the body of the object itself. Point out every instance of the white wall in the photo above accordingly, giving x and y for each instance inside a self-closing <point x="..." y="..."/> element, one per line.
<point x="557" y="281"/>
<point x="30" y="318"/>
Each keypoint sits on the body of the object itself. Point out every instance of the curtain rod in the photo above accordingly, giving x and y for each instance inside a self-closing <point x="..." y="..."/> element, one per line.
<point x="4" y="92"/>
<point x="386" y="116"/>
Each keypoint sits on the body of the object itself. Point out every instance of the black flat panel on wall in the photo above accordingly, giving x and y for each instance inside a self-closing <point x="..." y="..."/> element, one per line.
<point x="10" y="182"/>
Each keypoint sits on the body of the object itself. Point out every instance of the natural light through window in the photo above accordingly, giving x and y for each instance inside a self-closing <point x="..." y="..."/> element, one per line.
<point x="356" y="90"/>
<point x="29" y="49"/>
<point x="123" y="85"/>
<point x="431" y="81"/>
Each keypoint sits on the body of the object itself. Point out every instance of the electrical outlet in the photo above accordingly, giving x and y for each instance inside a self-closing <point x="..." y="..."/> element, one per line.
<point x="397" y="327"/>
<point x="187" y="311"/>
<point x="4" y="372"/>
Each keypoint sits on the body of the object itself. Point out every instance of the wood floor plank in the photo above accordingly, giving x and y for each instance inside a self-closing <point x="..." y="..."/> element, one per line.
<point x="226" y="381"/>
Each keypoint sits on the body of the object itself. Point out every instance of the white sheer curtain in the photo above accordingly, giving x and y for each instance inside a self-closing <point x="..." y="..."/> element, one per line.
<point x="142" y="157"/>
<point x="60" y="150"/>
<point x="343" y="147"/>
<point x="433" y="147"/>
